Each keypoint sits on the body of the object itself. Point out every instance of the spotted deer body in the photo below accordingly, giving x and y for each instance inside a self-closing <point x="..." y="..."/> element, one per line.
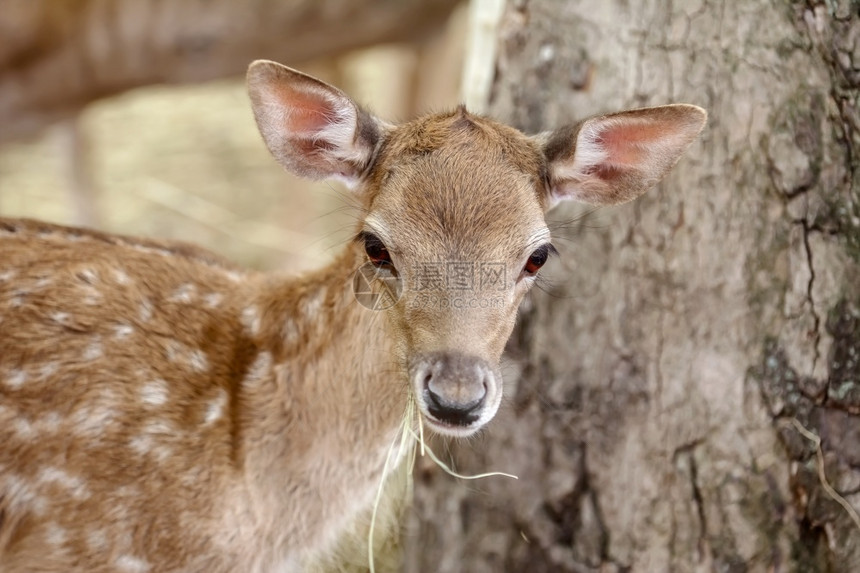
<point x="164" y="410"/>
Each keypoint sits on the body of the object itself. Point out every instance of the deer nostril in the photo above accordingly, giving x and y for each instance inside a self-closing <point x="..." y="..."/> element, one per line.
<point x="454" y="387"/>
<point x="455" y="407"/>
<point x="434" y="398"/>
<point x="461" y="413"/>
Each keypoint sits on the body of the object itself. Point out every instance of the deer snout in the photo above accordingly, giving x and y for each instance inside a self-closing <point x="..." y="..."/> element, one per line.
<point x="457" y="393"/>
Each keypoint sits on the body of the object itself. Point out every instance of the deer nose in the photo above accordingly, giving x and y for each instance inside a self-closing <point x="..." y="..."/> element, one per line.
<point x="455" y="387"/>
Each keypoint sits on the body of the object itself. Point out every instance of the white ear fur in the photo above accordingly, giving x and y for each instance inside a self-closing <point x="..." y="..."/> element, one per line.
<point x="311" y="128"/>
<point x="615" y="158"/>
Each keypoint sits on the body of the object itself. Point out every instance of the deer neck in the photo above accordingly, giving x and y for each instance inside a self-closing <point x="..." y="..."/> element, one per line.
<point x="322" y="399"/>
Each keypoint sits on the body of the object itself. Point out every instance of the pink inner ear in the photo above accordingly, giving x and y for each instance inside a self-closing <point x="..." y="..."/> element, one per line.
<point x="308" y="113"/>
<point x="630" y="143"/>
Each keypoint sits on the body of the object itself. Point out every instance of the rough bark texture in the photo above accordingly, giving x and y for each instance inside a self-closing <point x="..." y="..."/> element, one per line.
<point x="55" y="57"/>
<point x="656" y="382"/>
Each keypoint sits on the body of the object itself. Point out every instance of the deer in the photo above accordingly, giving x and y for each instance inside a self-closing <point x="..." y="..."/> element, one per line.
<point x="164" y="410"/>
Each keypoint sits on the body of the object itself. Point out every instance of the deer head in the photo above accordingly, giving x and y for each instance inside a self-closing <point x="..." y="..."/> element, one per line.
<point x="453" y="206"/>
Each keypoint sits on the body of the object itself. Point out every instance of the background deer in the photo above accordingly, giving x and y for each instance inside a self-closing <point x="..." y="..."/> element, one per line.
<point x="163" y="410"/>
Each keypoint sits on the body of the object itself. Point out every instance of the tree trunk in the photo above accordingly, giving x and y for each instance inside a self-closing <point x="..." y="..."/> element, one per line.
<point x="663" y="382"/>
<point x="55" y="57"/>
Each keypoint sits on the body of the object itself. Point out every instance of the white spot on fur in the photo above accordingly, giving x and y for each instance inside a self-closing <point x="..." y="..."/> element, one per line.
<point x="198" y="361"/>
<point x="132" y="564"/>
<point x="42" y="283"/>
<point x="55" y="535"/>
<point x="18" y="493"/>
<point x="180" y="353"/>
<point x="146" y="310"/>
<point x="291" y="331"/>
<point x="48" y="369"/>
<point x="314" y="303"/>
<point x="60" y="317"/>
<point x="212" y="300"/>
<point x="121" y="277"/>
<point x="156" y="251"/>
<point x="94" y="350"/>
<point x="39" y="505"/>
<point x="97" y="540"/>
<point x="260" y="370"/>
<point x="157" y="427"/>
<point x="92" y="296"/>
<point x="215" y="409"/>
<point x="7" y="276"/>
<point x="183" y="294"/>
<point x="251" y="320"/>
<point x="51" y="422"/>
<point x="174" y="350"/>
<point x="89" y="276"/>
<point x="15" y="379"/>
<point x="154" y="393"/>
<point x="233" y="276"/>
<point x="122" y="331"/>
<point x="75" y="485"/>
<point x="152" y="440"/>
<point x="93" y="420"/>
<point x="142" y="444"/>
<point x="24" y="428"/>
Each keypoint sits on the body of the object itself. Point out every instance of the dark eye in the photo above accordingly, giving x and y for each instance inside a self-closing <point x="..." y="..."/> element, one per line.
<point x="537" y="259"/>
<point x="376" y="251"/>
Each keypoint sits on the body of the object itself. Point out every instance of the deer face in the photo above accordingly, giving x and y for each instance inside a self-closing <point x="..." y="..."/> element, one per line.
<point x="455" y="204"/>
<point x="454" y="208"/>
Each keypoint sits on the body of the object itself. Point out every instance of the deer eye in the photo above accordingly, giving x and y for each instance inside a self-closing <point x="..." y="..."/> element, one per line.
<point x="375" y="249"/>
<point x="537" y="259"/>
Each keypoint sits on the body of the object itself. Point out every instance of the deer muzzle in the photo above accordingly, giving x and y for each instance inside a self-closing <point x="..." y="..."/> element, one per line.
<point x="457" y="393"/>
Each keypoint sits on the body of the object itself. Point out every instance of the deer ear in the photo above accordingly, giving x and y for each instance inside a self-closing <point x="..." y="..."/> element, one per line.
<point x="615" y="158"/>
<point x="312" y="129"/>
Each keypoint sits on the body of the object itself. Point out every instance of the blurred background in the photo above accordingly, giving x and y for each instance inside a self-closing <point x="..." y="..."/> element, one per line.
<point x="133" y="117"/>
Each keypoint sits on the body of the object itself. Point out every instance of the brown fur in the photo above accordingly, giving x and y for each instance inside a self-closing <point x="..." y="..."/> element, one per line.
<point x="163" y="410"/>
<point x="90" y="324"/>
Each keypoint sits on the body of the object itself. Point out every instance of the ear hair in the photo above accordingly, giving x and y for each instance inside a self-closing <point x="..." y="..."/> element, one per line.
<point x="615" y="158"/>
<point x="311" y="128"/>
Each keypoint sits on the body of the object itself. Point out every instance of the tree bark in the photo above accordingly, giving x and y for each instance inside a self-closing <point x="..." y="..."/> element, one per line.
<point x="663" y="381"/>
<point x="55" y="57"/>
